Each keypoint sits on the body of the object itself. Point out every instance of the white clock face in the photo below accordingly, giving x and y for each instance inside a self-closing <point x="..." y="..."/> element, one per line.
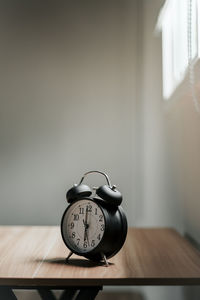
<point x="83" y="226"/>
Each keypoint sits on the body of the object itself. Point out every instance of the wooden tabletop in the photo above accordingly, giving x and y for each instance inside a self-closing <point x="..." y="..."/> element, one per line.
<point x="35" y="256"/>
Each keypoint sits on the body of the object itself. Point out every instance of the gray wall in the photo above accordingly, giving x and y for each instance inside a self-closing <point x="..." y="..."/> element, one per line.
<point x="157" y="203"/>
<point x="158" y="194"/>
<point x="67" y="97"/>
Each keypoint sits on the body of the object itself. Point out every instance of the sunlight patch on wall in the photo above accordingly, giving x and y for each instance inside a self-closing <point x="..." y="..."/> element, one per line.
<point x="179" y="22"/>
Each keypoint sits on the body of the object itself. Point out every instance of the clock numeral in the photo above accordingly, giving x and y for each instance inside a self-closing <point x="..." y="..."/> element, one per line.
<point x="78" y="241"/>
<point x="102" y="227"/>
<point x="101" y="218"/>
<point x="84" y="245"/>
<point x="99" y="236"/>
<point x="81" y="210"/>
<point x="76" y="217"/>
<point x="73" y="235"/>
<point x="93" y="243"/>
<point x="95" y="211"/>
<point x="89" y="208"/>
<point x="72" y="225"/>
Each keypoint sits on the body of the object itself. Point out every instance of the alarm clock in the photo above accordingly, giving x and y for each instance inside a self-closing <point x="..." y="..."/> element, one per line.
<point x="94" y="224"/>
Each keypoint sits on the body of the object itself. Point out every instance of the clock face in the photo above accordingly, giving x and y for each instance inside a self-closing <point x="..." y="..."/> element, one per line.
<point x="83" y="226"/>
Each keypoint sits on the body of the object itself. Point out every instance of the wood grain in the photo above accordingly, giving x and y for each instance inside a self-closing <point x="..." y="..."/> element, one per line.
<point x="31" y="256"/>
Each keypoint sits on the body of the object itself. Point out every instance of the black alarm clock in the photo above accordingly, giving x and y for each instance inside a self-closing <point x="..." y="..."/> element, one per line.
<point x="94" y="224"/>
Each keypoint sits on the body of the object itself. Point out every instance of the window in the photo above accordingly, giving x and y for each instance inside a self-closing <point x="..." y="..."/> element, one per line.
<point x="179" y="21"/>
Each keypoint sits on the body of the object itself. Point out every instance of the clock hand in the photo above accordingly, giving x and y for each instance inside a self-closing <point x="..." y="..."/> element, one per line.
<point x="86" y="217"/>
<point x="87" y="237"/>
<point x="85" y="224"/>
<point x="84" y="231"/>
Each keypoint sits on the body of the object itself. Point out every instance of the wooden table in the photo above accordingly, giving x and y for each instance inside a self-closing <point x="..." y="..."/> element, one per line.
<point x="34" y="257"/>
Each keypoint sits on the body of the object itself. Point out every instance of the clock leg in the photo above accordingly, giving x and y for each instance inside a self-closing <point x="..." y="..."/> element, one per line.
<point x="68" y="257"/>
<point x="105" y="260"/>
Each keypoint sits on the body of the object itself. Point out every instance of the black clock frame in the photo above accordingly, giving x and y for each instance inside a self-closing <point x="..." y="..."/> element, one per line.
<point x="114" y="233"/>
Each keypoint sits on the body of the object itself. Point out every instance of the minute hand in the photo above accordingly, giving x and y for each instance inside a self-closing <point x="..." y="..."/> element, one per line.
<point x="86" y="224"/>
<point x="87" y="237"/>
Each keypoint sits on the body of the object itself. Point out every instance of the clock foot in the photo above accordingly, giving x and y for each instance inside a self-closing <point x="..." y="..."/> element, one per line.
<point x="68" y="257"/>
<point x="105" y="260"/>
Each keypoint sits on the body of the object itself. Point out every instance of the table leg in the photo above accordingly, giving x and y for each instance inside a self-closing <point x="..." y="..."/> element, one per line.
<point x="88" y="293"/>
<point x="68" y="294"/>
<point x="7" y="294"/>
<point x="46" y="294"/>
<point x="76" y="293"/>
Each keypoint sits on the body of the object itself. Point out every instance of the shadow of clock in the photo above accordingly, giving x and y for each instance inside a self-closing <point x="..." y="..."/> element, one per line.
<point x="75" y="262"/>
